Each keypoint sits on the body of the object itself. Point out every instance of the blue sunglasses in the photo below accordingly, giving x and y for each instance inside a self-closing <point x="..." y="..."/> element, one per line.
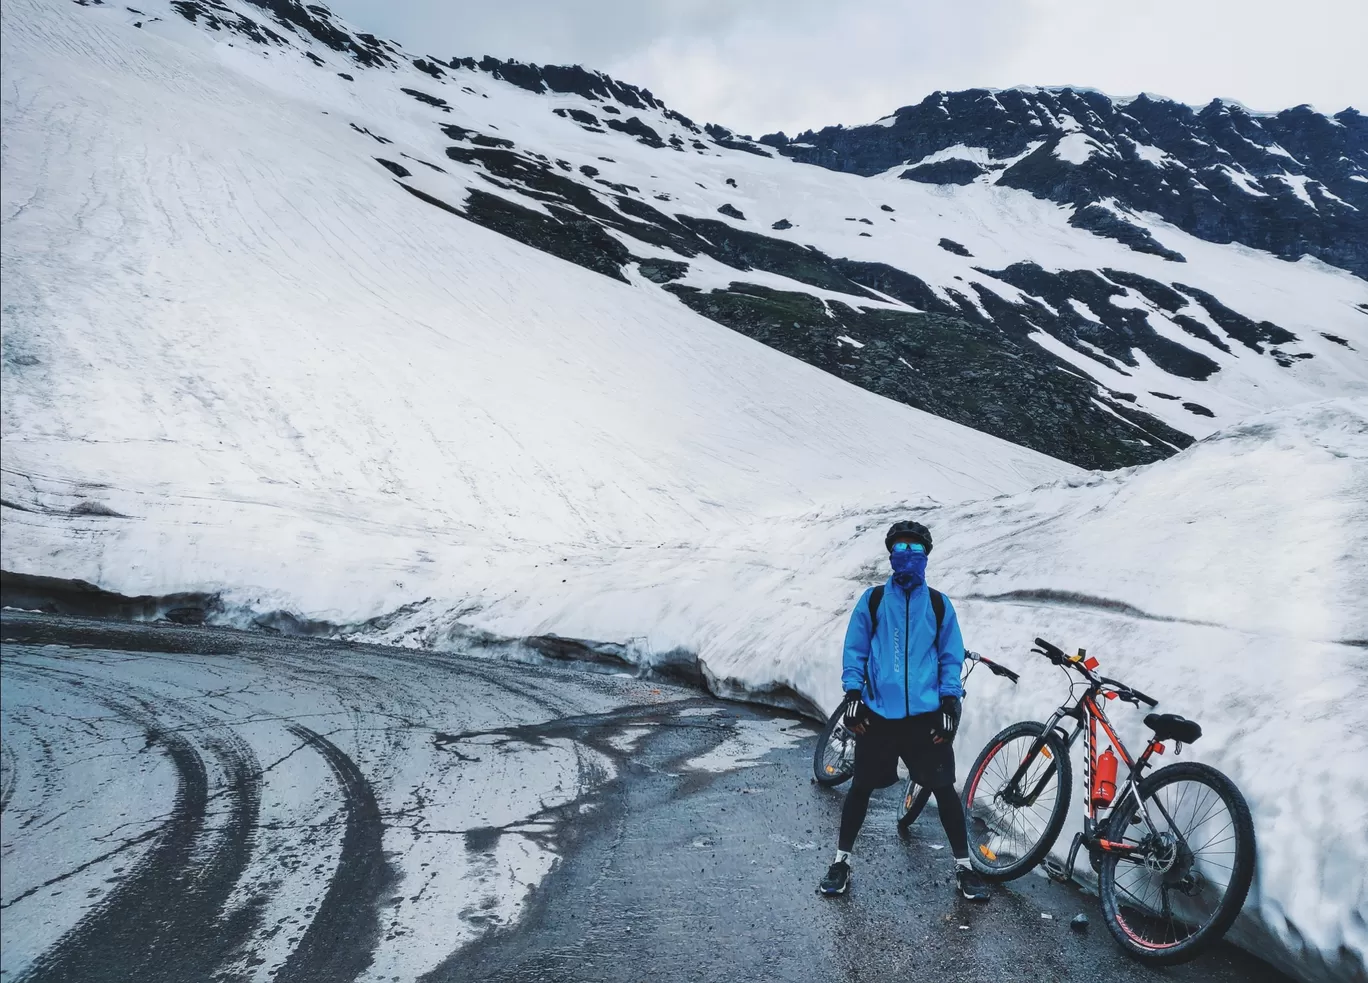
<point x="904" y="547"/>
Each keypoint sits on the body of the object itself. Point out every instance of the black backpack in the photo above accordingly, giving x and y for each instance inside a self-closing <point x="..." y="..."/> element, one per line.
<point x="876" y="598"/>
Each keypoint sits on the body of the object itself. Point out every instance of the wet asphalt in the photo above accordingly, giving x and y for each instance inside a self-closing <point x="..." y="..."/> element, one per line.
<point x="664" y="872"/>
<point x="714" y="879"/>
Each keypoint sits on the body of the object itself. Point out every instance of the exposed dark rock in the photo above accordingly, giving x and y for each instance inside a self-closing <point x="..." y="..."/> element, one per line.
<point x="951" y="246"/>
<point x="589" y="170"/>
<point x="746" y="250"/>
<point x="579" y="116"/>
<point x="731" y="182"/>
<point x="954" y="171"/>
<point x="959" y="370"/>
<point x="662" y="270"/>
<point x="345" y="76"/>
<point x="218" y="17"/>
<point x="373" y="136"/>
<point x="572" y="79"/>
<point x="437" y="101"/>
<point x="1117" y="330"/>
<point x="782" y="224"/>
<point x="316" y="22"/>
<point x="1159" y="294"/>
<point x="314" y="58"/>
<point x="1102" y="221"/>
<point x="398" y="170"/>
<point x="622" y="189"/>
<point x="423" y="65"/>
<point x="886" y="208"/>
<point x="1197" y="329"/>
<point x="470" y="136"/>
<point x="566" y="234"/>
<point x="1337" y="340"/>
<point x="439" y="170"/>
<point x="633" y="126"/>
<point x="731" y="211"/>
<point x="1239" y="327"/>
<point x="723" y="137"/>
<point x="1198" y="409"/>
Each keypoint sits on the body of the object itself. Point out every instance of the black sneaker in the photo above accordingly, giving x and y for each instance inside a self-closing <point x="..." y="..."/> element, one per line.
<point x="837" y="879"/>
<point x="970" y="884"/>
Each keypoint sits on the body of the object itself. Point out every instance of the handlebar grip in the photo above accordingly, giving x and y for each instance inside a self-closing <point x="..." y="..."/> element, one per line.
<point x="1003" y="671"/>
<point x="1146" y="699"/>
<point x="1052" y="652"/>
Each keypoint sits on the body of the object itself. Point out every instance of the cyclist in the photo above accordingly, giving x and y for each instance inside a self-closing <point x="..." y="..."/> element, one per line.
<point x="901" y="674"/>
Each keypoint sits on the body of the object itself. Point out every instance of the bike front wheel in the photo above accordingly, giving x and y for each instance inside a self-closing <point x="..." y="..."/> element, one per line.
<point x="1188" y="868"/>
<point x="1015" y="800"/>
<point x="833" y="760"/>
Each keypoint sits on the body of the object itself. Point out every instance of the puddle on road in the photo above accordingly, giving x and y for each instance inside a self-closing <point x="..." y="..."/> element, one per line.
<point x="750" y="741"/>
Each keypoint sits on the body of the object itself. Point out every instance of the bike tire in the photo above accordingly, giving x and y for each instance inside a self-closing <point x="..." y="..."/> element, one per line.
<point x="1120" y="825"/>
<point x="914" y="801"/>
<point x="832" y="771"/>
<point x="1028" y="855"/>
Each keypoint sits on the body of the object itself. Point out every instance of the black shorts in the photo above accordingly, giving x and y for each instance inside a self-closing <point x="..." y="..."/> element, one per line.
<point x="884" y="741"/>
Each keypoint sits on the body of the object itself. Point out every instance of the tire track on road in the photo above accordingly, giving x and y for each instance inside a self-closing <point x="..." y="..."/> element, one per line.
<point x="339" y="944"/>
<point x="9" y="774"/>
<point x="165" y="923"/>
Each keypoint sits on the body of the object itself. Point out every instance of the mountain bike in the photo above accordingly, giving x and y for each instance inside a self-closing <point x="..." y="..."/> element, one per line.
<point x="833" y="760"/>
<point x="1174" y="852"/>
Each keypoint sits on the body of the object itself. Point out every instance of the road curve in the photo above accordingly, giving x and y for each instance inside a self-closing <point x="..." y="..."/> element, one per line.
<point x="189" y="803"/>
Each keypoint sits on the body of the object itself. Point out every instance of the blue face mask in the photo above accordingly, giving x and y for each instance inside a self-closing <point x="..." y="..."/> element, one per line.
<point x="909" y="568"/>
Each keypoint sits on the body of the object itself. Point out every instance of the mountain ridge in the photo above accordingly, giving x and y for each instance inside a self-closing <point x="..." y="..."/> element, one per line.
<point x="1090" y="327"/>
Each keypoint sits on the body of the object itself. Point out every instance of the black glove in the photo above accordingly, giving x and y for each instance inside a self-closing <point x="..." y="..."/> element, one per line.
<point x="949" y="719"/>
<point x="856" y="716"/>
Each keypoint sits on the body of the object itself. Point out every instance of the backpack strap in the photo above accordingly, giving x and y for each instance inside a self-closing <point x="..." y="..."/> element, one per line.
<point x="876" y="598"/>
<point x="938" y="606"/>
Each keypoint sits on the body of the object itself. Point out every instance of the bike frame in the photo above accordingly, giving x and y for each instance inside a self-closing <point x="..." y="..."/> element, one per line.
<point x="1087" y="714"/>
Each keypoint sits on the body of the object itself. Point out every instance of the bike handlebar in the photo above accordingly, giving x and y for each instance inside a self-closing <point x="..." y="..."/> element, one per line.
<point x="1127" y="693"/>
<point x="993" y="667"/>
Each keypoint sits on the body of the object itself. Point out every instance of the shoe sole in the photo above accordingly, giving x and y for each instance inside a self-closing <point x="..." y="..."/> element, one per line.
<point x="833" y="894"/>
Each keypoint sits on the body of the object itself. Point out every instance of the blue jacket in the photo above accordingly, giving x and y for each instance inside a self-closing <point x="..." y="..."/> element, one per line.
<point x="903" y="669"/>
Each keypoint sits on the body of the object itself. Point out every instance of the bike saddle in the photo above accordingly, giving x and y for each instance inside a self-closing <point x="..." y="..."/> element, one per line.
<point x="1171" y="727"/>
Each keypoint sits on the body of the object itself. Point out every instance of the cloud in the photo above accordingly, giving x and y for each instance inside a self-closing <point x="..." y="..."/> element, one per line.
<point x="762" y="65"/>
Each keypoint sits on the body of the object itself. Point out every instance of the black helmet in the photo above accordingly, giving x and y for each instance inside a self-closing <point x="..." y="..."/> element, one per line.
<point x="908" y="529"/>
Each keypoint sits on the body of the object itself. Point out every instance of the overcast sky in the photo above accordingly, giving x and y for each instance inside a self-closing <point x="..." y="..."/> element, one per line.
<point x="764" y="65"/>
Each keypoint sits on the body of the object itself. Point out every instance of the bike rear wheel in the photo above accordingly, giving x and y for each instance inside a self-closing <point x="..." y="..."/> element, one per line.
<point x="1013" y="824"/>
<point x="913" y="802"/>
<point x="1181" y="890"/>
<point x="833" y="760"/>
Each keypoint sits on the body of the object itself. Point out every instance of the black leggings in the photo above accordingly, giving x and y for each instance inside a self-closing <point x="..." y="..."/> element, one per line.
<point x="947" y="804"/>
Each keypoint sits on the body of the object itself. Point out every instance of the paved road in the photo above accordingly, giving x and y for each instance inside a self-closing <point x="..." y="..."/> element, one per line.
<point x="196" y="804"/>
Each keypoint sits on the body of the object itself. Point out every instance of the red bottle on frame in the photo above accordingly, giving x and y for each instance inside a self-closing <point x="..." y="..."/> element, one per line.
<point x="1104" y="779"/>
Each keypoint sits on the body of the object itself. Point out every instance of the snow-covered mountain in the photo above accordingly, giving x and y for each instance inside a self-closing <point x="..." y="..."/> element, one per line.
<point x="1052" y="267"/>
<point x="1099" y="280"/>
